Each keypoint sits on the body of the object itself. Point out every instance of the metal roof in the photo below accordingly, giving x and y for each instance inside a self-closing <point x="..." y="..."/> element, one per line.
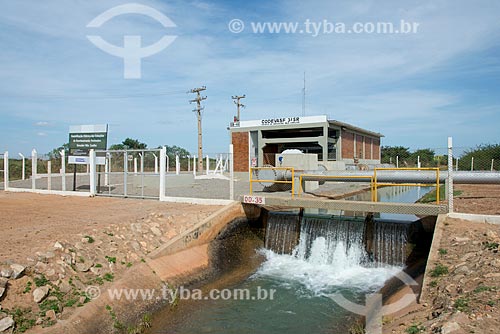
<point x="355" y="128"/>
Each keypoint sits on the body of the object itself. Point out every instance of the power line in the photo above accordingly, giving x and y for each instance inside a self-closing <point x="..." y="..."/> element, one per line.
<point x="198" y="110"/>
<point x="238" y="105"/>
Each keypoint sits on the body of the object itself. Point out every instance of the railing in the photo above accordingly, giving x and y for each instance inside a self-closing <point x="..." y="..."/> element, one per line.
<point x="285" y="169"/>
<point x="376" y="184"/>
<point x="371" y="178"/>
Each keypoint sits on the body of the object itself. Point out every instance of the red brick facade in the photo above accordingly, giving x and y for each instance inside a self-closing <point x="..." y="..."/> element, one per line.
<point x="240" y="147"/>
<point x="347" y="145"/>
<point x="363" y="150"/>
<point x="367" y="152"/>
<point x="376" y="148"/>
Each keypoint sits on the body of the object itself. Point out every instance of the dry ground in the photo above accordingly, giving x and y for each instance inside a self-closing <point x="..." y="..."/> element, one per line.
<point x="463" y="292"/>
<point x="31" y="222"/>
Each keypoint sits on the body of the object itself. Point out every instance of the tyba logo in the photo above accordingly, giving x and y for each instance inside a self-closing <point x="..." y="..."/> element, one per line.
<point x="132" y="52"/>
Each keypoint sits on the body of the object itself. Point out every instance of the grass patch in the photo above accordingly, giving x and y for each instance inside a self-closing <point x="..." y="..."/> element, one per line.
<point x="439" y="270"/>
<point x="483" y="288"/>
<point x="491" y="245"/>
<point x="442" y="251"/>
<point x="462" y="304"/>
<point x="414" y="329"/>
<point x="24" y="319"/>
<point x="90" y="240"/>
<point x="27" y="289"/>
<point x="40" y="280"/>
<point x="433" y="284"/>
<point x="49" y="304"/>
<point x="430" y="197"/>
<point x="109" y="277"/>
<point x="98" y="265"/>
<point x="111" y="259"/>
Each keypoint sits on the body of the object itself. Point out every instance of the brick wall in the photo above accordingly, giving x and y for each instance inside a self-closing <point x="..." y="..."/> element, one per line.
<point x="359" y="147"/>
<point x="347" y="145"/>
<point x="240" y="147"/>
<point x="367" y="148"/>
<point x="376" y="148"/>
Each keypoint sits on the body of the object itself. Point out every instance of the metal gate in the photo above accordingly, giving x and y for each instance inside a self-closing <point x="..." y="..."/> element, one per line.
<point x="128" y="173"/>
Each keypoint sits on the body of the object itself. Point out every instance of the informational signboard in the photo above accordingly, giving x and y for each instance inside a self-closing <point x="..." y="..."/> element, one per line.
<point x="83" y="138"/>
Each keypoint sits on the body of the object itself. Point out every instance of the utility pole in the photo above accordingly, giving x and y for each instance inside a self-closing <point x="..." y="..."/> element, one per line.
<point x="198" y="110"/>
<point x="238" y="104"/>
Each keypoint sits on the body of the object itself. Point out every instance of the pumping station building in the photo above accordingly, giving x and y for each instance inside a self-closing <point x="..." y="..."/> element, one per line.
<point x="336" y="145"/>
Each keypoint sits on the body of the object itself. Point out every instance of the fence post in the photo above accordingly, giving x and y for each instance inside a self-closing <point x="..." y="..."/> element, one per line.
<point x="92" y="172"/>
<point x="163" y="160"/>
<point x="156" y="163"/>
<point x="492" y="162"/>
<point x="23" y="168"/>
<point x="208" y="164"/>
<point x="456" y="168"/>
<point x="189" y="163"/>
<point x="34" y="166"/>
<point x="194" y="165"/>
<point x="177" y="165"/>
<point x="231" y="173"/>
<point x="6" y="170"/>
<point x="418" y="162"/>
<point x="450" y="174"/>
<point x="472" y="164"/>
<point x="135" y="166"/>
<point x="106" y="169"/>
<point x="49" y="175"/>
<point x="63" y="170"/>
<point x="397" y="161"/>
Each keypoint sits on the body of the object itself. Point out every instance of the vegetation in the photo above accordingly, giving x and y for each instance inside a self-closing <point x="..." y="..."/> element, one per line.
<point x="414" y="329"/>
<point x="439" y="270"/>
<point x="430" y="197"/>
<point x="483" y="155"/>
<point x="442" y="251"/>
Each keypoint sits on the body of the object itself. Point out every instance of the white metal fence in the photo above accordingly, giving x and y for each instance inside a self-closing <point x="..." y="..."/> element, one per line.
<point x="124" y="173"/>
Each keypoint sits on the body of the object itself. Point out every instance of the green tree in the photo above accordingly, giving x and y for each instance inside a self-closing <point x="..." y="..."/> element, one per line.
<point x="129" y="144"/>
<point x="172" y="151"/>
<point x="483" y="155"/>
<point x="56" y="153"/>
<point x="426" y="157"/>
<point x="391" y="152"/>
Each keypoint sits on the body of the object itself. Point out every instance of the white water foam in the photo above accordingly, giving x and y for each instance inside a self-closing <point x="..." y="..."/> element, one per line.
<point x="322" y="278"/>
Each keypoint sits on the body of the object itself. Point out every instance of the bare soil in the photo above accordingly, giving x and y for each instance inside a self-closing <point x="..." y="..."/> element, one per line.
<point x="30" y="223"/>
<point x="463" y="290"/>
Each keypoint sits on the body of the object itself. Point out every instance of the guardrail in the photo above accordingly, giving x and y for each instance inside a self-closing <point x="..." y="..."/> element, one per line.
<point x="285" y="169"/>
<point x="386" y="184"/>
<point x="371" y="178"/>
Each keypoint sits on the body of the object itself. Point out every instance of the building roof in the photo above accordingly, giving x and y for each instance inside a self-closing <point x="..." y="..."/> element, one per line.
<point x="354" y="128"/>
<point x="297" y="121"/>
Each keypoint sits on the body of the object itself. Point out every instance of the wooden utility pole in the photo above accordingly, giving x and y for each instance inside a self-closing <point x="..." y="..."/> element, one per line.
<point x="238" y="104"/>
<point x="198" y="110"/>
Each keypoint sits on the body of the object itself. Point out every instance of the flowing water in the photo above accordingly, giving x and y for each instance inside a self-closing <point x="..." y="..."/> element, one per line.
<point x="307" y="259"/>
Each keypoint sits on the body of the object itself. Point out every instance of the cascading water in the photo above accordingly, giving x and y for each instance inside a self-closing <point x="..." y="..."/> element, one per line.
<point x="333" y="252"/>
<point x="284" y="229"/>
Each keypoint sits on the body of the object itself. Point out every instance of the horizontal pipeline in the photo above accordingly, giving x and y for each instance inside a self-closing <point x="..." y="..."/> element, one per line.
<point x="459" y="177"/>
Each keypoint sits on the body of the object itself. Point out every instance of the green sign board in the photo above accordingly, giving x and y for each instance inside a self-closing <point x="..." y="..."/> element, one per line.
<point x="87" y="141"/>
<point x="83" y="138"/>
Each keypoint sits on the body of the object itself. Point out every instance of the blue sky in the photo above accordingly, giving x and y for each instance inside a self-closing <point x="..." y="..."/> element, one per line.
<point x="416" y="89"/>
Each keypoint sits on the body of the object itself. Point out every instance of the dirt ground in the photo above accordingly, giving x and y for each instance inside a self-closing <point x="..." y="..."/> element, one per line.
<point x="478" y="198"/>
<point x="463" y="291"/>
<point x="30" y="223"/>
